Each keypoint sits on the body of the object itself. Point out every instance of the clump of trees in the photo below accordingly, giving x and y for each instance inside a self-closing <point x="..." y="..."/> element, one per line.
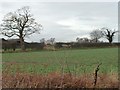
<point x="21" y="24"/>
<point x="50" y="41"/>
<point x="103" y="32"/>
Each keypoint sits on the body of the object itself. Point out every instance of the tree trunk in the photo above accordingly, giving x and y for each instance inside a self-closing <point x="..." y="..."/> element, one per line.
<point x="110" y="39"/>
<point x="22" y="43"/>
<point x="96" y="40"/>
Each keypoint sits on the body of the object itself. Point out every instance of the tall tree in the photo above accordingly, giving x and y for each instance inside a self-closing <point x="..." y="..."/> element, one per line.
<point x="109" y="34"/>
<point x="20" y="23"/>
<point x="96" y="34"/>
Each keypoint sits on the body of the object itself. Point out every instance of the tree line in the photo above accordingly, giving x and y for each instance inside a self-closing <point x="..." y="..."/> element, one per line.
<point x="13" y="44"/>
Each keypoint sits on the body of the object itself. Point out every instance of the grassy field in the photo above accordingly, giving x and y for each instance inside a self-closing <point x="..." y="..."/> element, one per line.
<point x="74" y="61"/>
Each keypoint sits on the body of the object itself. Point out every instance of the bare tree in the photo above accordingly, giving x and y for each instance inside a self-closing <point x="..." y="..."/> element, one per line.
<point x="52" y="40"/>
<point x="20" y="23"/>
<point x="42" y="40"/>
<point x="77" y="39"/>
<point x="96" y="34"/>
<point x="109" y="34"/>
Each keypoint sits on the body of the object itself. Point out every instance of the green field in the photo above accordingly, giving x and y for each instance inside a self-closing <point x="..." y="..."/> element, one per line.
<point x="77" y="61"/>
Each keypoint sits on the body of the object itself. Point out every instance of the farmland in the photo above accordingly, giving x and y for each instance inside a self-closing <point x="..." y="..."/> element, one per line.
<point x="61" y="69"/>
<point x="76" y="61"/>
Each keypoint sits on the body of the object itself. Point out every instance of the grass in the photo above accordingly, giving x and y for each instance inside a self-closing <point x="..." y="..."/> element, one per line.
<point x="56" y="81"/>
<point x="76" y="61"/>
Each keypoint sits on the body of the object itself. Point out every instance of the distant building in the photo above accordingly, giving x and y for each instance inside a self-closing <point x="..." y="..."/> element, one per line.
<point x="9" y="44"/>
<point x="14" y="40"/>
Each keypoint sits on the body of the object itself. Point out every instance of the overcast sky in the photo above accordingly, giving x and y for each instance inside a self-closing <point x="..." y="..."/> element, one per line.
<point x="66" y="21"/>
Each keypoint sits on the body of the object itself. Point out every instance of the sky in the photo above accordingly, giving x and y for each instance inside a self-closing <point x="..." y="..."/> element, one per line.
<point x="65" y="21"/>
